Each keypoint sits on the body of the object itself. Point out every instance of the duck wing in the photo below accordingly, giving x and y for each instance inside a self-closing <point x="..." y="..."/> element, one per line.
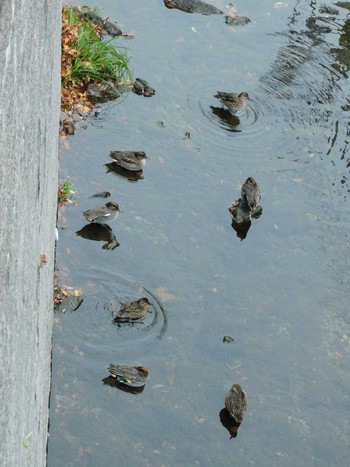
<point x="227" y="97"/>
<point x="127" y="160"/>
<point x="128" y="375"/>
<point x="99" y="214"/>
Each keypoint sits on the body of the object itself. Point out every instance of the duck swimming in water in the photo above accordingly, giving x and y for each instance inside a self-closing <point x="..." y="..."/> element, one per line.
<point x="236" y="402"/>
<point x="133" y="310"/>
<point x="251" y="193"/>
<point x="134" y="376"/>
<point x="101" y="214"/>
<point x="193" y="6"/>
<point x="233" y="101"/>
<point x="129" y="160"/>
<point x="142" y="88"/>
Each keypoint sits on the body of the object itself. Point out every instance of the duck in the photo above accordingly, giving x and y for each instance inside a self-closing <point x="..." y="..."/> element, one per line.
<point x="129" y="160"/>
<point x="193" y="6"/>
<point x="236" y="402"/>
<point x="132" y="310"/>
<point x="235" y="20"/>
<point x="142" y="88"/>
<point x="232" y="100"/>
<point x="133" y="376"/>
<point x="251" y="193"/>
<point x="101" y="214"/>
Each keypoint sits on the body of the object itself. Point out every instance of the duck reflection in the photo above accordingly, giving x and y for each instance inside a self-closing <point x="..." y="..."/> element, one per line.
<point x="99" y="232"/>
<point x="113" y="383"/>
<point x="133" y="176"/>
<point x="241" y="216"/>
<point x="229" y="423"/>
<point x="230" y="121"/>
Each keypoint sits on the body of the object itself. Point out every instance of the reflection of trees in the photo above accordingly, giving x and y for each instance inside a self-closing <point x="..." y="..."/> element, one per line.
<point x="342" y="54"/>
<point x="304" y="60"/>
<point x="310" y="74"/>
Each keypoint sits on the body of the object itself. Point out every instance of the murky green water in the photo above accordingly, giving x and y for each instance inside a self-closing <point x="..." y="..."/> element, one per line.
<point x="282" y="293"/>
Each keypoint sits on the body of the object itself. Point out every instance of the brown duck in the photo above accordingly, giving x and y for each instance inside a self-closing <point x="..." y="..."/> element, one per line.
<point x="236" y="402"/>
<point x="129" y="160"/>
<point x="232" y="100"/>
<point x="251" y="193"/>
<point x="131" y="311"/>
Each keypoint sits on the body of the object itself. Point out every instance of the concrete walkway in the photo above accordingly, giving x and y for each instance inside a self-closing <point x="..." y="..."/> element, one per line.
<point x="29" y="113"/>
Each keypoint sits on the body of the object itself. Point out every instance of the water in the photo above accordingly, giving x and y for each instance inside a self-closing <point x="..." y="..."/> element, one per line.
<point x="281" y="293"/>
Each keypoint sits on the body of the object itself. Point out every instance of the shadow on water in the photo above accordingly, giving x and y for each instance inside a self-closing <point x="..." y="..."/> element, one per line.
<point x="99" y="233"/>
<point x="113" y="383"/>
<point x="117" y="170"/>
<point x="229" y="423"/>
<point x="228" y="121"/>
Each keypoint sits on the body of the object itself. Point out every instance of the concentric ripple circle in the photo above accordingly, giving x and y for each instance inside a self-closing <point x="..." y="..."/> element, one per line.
<point x="100" y="336"/>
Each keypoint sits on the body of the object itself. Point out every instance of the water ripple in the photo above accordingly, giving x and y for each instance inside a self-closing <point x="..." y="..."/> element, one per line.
<point x="213" y="120"/>
<point x="102" y="299"/>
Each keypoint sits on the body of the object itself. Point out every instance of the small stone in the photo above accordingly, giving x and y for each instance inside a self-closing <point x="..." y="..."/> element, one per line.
<point x="227" y="339"/>
<point x="69" y="304"/>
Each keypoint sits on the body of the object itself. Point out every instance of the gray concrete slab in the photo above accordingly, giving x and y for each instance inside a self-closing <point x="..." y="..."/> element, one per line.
<point x="29" y="115"/>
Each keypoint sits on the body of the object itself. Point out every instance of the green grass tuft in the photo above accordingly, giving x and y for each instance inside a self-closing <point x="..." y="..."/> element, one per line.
<point x="65" y="192"/>
<point x="95" y="59"/>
